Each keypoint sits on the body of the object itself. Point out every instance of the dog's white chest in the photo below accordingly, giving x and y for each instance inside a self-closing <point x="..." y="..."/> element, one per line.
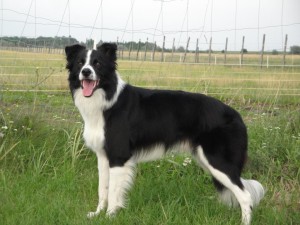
<point x="93" y="133"/>
<point x="92" y="114"/>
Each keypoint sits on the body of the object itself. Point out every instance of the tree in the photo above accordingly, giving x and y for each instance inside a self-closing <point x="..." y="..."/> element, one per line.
<point x="274" y="52"/>
<point x="180" y="49"/>
<point x="245" y="50"/>
<point x="295" y="49"/>
<point x="89" y="43"/>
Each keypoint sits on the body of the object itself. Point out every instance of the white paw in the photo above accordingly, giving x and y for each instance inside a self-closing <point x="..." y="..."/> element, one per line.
<point x="110" y="213"/>
<point x="92" y="214"/>
<point x="101" y="206"/>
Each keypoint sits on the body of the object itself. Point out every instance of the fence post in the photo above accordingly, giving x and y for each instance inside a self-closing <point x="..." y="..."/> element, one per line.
<point x="197" y="52"/>
<point x="209" y="51"/>
<point x="173" y="49"/>
<point x="242" y="51"/>
<point x="130" y="48"/>
<point x="146" y="46"/>
<point x="118" y="51"/>
<point x="162" y="50"/>
<point x="186" y="49"/>
<point x="153" y="52"/>
<point x="138" y="50"/>
<point x="262" y="51"/>
<point x="225" y="51"/>
<point x="284" y="50"/>
<point x="123" y="50"/>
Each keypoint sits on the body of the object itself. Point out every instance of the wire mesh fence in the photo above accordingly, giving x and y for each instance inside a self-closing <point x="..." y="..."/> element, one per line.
<point x="37" y="71"/>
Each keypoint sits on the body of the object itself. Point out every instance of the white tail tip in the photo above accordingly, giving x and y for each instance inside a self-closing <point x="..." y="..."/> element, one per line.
<point x="255" y="189"/>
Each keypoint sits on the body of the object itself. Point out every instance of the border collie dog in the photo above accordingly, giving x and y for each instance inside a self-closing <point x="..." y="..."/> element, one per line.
<point x="125" y="125"/>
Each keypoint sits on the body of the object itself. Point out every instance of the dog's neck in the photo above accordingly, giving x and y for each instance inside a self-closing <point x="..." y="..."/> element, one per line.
<point x="97" y="102"/>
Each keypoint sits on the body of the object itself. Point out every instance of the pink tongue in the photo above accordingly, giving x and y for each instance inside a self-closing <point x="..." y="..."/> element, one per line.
<point x="88" y="87"/>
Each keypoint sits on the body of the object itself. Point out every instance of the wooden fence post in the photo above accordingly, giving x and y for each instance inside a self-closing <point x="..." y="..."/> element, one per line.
<point x="146" y="47"/>
<point x="197" y="52"/>
<point x="162" y="50"/>
<point x="209" y="51"/>
<point x="138" y="50"/>
<point x="118" y="51"/>
<point x="173" y="49"/>
<point x="186" y="49"/>
<point x="284" y="50"/>
<point x="123" y="50"/>
<point x="262" y="51"/>
<point x="225" y="51"/>
<point x="242" y="51"/>
<point x="130" y="48"/>
<point x="153" y="52"/>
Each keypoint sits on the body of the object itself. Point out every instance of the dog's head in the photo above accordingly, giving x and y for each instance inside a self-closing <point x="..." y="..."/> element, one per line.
<point x="92" y="69"/>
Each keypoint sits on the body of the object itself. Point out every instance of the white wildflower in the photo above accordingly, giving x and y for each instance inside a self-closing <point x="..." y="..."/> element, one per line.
<point x="187" y="161"/>
<point x="4" y="127"/>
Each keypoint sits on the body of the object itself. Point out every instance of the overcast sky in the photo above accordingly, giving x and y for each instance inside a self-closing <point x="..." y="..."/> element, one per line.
<point x="141" y="19"/>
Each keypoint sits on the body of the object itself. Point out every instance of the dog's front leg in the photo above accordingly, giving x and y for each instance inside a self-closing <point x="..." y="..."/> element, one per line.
<point x="121" y="178"/>
<point x="103" y="173"/>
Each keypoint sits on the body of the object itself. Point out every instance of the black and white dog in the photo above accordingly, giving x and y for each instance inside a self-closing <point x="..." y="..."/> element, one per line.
<point x="125" y="125"/>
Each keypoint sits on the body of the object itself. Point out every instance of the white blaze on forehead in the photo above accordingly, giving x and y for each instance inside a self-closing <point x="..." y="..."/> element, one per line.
<point x="87" y="65"/>
<point x="88" y="58"/>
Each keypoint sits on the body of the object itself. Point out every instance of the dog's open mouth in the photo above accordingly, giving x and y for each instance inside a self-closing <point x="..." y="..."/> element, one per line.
<point x="88" y="87"/>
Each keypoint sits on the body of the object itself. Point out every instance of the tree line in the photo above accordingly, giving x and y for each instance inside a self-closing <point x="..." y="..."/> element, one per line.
<point x="40" y="42"/>
<point x="61" y="42"/>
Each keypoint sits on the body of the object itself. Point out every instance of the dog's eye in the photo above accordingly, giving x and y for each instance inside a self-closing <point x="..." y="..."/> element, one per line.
<point x="80" y="63"/>
<point x="97" y="64"/>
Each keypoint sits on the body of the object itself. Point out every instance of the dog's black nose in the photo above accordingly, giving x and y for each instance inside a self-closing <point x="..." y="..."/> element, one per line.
<point x="86" y="72"/>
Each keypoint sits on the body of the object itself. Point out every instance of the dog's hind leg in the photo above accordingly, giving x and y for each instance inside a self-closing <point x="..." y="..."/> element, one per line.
<point x="121" y="179"/>
<point x="103" y="173"/>
<point x="231" y="182"/>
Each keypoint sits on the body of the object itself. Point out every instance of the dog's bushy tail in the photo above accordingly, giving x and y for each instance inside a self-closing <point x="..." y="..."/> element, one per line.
<point x="255" y="189"/>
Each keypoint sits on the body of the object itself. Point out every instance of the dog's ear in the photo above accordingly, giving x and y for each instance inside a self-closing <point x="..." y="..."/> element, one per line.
<point x="73" y="50"/>
<point x="109" y="50"/>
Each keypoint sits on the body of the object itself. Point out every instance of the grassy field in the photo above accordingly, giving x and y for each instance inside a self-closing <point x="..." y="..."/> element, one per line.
<point x="47" y="176"/>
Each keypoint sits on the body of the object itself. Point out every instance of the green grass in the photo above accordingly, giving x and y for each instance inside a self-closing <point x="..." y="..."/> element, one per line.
<point x="47" y="176"/>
